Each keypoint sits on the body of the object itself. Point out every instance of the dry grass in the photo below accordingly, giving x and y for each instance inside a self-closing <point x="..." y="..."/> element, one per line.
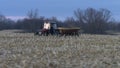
<point x="24" y="50"/>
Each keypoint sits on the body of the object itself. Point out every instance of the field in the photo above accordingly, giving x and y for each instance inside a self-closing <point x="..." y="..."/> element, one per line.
<point x="24" y="50"/>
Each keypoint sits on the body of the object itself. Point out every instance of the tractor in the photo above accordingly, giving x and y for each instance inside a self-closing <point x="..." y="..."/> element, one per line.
<point x="50" y="28"/>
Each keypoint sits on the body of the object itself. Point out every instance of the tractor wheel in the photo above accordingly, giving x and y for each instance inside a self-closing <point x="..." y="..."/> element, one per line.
<point x="36" y="33"/>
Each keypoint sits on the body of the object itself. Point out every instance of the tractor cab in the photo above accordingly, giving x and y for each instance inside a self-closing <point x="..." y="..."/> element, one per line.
<point x="49" y="25"/>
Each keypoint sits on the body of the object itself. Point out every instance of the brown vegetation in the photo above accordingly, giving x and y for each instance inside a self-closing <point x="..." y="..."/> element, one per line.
<point x="24" y="50"/>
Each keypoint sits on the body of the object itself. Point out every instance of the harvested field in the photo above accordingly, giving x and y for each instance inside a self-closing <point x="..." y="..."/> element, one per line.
<point x="24" y="50"/>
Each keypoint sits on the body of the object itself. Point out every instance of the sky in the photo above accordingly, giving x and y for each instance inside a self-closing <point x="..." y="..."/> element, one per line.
<point x="18" y="9"/>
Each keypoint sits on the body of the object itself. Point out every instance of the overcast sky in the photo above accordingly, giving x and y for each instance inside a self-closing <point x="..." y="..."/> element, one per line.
<point x="60" y="8"/>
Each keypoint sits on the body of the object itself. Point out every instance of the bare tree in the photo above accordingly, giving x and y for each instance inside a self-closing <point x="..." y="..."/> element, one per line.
<point x="32" y="14"/>
<point x="70" y="22"/>
<point x="5" y="23"/>
<point x="94" y="21"/>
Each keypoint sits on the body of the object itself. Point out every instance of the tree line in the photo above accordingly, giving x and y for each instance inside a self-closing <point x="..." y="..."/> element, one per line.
<point x="89" y="20"/>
